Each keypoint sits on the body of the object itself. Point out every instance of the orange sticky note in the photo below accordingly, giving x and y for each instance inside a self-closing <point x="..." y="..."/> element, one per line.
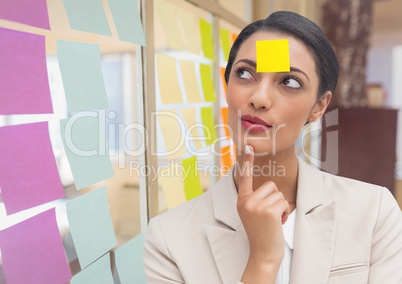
<point x="273" y="55"/>
<point x="224" y="112"/>
<point x="234" y="36"/>
<point x="225" y="86"/>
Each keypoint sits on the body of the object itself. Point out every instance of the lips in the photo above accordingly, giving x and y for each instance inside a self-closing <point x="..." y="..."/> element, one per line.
<point x="254" y="123"/>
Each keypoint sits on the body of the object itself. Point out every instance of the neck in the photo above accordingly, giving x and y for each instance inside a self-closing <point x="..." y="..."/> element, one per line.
<point x="282" y="169"/>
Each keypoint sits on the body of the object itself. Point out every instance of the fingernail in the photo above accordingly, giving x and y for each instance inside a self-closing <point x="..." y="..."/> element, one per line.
<point x="247" y="150"/>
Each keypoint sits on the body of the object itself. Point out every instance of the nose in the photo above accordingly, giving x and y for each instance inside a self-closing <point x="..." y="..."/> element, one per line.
<point x="261" y="98"/>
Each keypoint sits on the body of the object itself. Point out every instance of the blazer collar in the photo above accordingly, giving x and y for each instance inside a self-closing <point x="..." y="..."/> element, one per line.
<point x="310" y="188"/>
<point x="314" y="238"/>
<point x="310" y="194"/>
<point x="314" y="230"/>
<point x="224" y="201"/>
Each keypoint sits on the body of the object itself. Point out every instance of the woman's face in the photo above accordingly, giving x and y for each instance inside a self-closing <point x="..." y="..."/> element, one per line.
<point x="269" y="110"/>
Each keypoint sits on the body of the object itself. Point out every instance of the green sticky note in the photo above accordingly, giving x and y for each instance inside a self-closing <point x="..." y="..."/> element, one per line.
<point x="88" y="16"/>
<point x="129" y="263"/>
<point x="207" y="39"/>
<point x="86" y="149"/>
<point x="207" y="115"/>
<point x="207" y="82"/>
<point x="192" y="184"/>
<point x="225" y="42"/>
<point x="98" y="272"/>
<point x="273" y="55"/>
<point x="91" y="226"/>
<point x="82" y="76"/>
<point x="127" y="20"/>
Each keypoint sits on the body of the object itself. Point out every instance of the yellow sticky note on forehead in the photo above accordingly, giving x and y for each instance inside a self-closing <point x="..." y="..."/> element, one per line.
<point x="273" y="55"/>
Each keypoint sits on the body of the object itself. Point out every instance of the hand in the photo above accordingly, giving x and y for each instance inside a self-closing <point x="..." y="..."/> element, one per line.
<point x="262" y="212"/>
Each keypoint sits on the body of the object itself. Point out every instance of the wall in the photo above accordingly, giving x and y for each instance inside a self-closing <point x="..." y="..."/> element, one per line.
<point x="384" y="60"/>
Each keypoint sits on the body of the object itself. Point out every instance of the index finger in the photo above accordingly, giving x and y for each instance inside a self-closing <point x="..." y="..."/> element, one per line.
<point x="246" y="173"/>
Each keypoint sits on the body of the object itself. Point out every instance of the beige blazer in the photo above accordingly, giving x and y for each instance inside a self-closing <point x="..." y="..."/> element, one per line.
<point x="346" y="232"/>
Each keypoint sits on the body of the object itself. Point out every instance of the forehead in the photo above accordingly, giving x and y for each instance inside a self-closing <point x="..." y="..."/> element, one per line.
<point x="300" y="56"/>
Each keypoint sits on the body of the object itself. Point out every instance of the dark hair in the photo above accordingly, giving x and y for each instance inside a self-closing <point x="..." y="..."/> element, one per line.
<point x="289" y="23"/>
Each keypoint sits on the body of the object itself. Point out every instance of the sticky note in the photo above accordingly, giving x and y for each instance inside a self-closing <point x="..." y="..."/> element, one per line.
<point x="86" y="149"/>
<point x="23" y="74"/>
<point x="224" y="113"/>
<point x="167" y="13"/>
<point x="207" y="116"/>
<point x="191" y="32"/>
<point x="98" y="272"/>
<point x="207" y="82"/>
<point x="167" y="78"/>
<point x="32" y="251"/>
<point x="173" y="128"/>
<point x="273" y="55"/>
<point x="190" y="81"/>
<point x="91" y="226"/>
<point x="225" y="86"/>
<point x="233" y="37"/>
<point x="82" y="75"/>
<point x="225" y="42"/>
<point x="28" y="12"/>
<point x="207" y="39"/>
<point x="173" y="187"/>
<point x="192" y="184"/>
<point x="88" y="16"/>
<point x="28" y="170"/>
<point x="129" y="261"/>
<point x="127" y="20"/>
<point x="193" y="128"/>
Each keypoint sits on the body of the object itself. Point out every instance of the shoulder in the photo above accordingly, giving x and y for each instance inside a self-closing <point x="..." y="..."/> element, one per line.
<point x="341" y="189"/>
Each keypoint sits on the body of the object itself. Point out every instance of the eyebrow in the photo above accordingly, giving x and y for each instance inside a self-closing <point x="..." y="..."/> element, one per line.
<point x="253" y="64"/>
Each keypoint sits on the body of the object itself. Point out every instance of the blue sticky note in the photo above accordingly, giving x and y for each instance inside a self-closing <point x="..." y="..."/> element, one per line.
<point x="129" y="264"/>
<point x="86" y="149"/>
<point x="91" y="226"/>
<point x="87" y="16"/>
<point x="127" y="20"/>
<point x="82" y="76"/>
<point x="98" y="272"/>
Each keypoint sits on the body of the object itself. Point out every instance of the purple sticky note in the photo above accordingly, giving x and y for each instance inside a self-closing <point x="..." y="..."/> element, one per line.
<point x="28" y="171"/>
<point x="29" y="12"/>
<point x="32" y="251"/>
<point x="23" y="73"/>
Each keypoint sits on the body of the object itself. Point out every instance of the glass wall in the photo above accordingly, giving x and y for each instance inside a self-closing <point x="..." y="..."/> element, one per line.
<point x="115" y="121"/>
<point x="98" y="125"/>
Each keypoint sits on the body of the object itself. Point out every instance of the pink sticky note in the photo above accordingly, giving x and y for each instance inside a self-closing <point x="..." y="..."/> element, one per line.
<point x="29" y="12"/>
<point x="23" y="73"/>
<point x="32" y="251"/>
<point x="28" y="171"/>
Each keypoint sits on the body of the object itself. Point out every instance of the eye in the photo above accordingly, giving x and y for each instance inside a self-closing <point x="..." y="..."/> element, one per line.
<point x="244" y="74"/>
<point x="292" y="82"/>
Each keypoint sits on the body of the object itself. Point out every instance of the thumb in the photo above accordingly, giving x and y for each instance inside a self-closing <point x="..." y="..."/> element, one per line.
<point x="246" y="173"/>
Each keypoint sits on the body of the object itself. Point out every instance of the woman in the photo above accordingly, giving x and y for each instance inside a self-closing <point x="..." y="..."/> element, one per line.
<point x="300" y="226"/>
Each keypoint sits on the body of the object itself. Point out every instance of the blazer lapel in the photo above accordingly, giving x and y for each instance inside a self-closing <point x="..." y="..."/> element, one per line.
<point x="229" y="234"/>
<point x="314" y="230"/>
